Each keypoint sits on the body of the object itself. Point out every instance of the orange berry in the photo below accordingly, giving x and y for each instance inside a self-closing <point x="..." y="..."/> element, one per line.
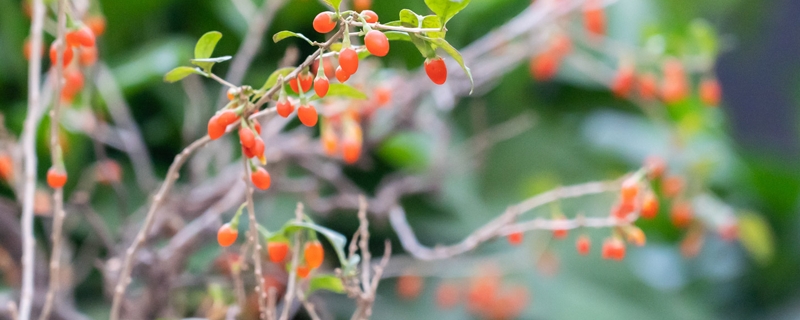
<point x="303" y="271"/>
<point x="329" y="141"/>
<point x="351" y="150"/>
<point x="348" y="61"/>
<point x="342" y="75"/>
<point x="623" y="81"/>
<point x="561" y="45"/>
<point x="629" y="190"/>
<point x="314" y="254"/>
<point x="73" y="82"/>
<point x="447" y="295"/>
<point x="613" y="249"/>
<point x="649" y="206"/>
<point x="258" y="147"/>
<point x="321" y="86"/>
<point x="409" y="286"/>
<point x="226" y="235"/>
<point x="361" y="5"/>
<point x="324" y="22"/>
<point x="97" y="24"/>
<point x="56" y="178"/>
<point x="87" y="56"/>
<point x="636" y="236"/>
<point x="246" y="137"/>
<point x="648" y="86"/>
<point x="370" y="16"/>
<point x="681" y="214"/>
<point x="27" y="50"/>
<point x="284" y="108"/>
<point x="6" y="167"/>
<point x="377" y="43"/>
<point x="327" y="67"/>
<point x="308" y="115"/>
<point x="232" y="93"/>
<point x="544" y="66"/>
<point x="675" y="87"/>
<point x="594" y="18"/>
<point x="622" y="209"/>
<point x="81" y="37"/>
<point x="54" y="54"/>
<point x="383" y="95"/>
<point x="710" y="92"/>
<point x="277" y="251"/>
<point x="305" y="80"/>
<point x="108" y="171"/>
<point x="560" y="233"/>
<point x="583" y="244"/>
<point x="261" y="179"/>
<point x="215" y="129"/>
<point x="515" y="238"/>
<point x="227" y="117"/>
<point x="672" y="186"/>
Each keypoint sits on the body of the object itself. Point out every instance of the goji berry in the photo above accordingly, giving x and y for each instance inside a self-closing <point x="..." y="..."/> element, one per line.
<point x="54" y="54"/>
<point x="277" y="251"/>
<point x="261" y="178"/>
<point x="321" y="86"/>
<point x="681" y="214"/>
<point x="369" y="16"/>
<point x="83" y="36"/>
<point x="324" y="22"/>
<point x="342" y="75"/>
<point x="56" y="178"/>
<point x="226" y="235"/>
<point x="284" y="108"/>
<point x="649" y="206"/>
<point x="515" y="238"/>
<point x="583" y="244"/>
<point x="308" y="115"/>
<point x="710" y="92"/>
<point x="314" y="254"/>
<point x="436" y="70"/>
<point x="377" y="43"/>
<point x="348" y="61"/>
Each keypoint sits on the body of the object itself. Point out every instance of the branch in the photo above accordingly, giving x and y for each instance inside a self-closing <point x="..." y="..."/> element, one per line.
<point x="29" y="150"/>
<point x="497" y="227"/>
<point x="290" y="288"/>
<point x="261" y="290"/>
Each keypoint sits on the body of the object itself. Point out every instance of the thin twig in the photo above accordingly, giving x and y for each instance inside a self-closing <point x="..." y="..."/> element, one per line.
<point x="55" y="152"/>
<point x="290" y="288"/>
<point x="495" y="227"/>
<point x="29" y="149"/>
<point x="308" y="305"/>
<point x="261" y="289"/>
<point x="363" y="243"/>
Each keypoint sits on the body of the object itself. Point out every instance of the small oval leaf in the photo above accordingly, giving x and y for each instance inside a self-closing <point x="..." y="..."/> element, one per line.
<point x="179" y="73"/>
<point x="409" y="19"/>
<point x="325" y="282"/>
<point x="287" y="34"/>
<point x="205" y="46"/>
<point x="273" y="78"/>
<point x="446" y="9"/>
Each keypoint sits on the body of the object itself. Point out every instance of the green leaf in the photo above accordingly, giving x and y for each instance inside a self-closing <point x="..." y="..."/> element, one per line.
<point x="205" y="46"/>
<point x="409" y="19"/>
<point x="706" y="37"/>
<point x="432" y="22"/>
<point x="325" y="282"/>
<point x="179" y="73"/>
<point x="286" y="34"/>
<point x="334" y="4"/>
<point x="456" y="56"/>
<point x="342" y="90"/>
<point x="273" y="78"/>
<point x="212" y="60"/>
<point x="396" y="35"/>
<point x="446" y="9"/>
<point x="395" y="23"/>
<point x="756" y="237"/>
<point x="336" y="239"/>
<point x="423" y="46"/>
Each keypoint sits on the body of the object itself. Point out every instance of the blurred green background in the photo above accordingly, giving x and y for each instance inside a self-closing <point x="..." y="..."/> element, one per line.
<point x="582" y="133"/>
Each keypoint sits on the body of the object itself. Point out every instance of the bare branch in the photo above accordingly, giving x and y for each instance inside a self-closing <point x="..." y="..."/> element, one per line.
<point x="29" y="149"/>
<point x="290" y="288"/>
<point x="261" y="291"/>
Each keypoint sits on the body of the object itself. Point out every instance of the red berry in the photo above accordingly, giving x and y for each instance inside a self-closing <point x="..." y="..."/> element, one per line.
<point x="313" y="254"/>
<point x="649" y="206"/>
<point x="351" y="150"/>
<point x="545" y="66"/>
<point x="436" y="70"/>
<point x="303" y="271"/>
<point x="377" y="43"/>
<point x="594" y="18"/>
<point x="515" y="238"/>
<point x="258" y="147"/>
<point x="97" y="24"/>
<point x="561" y="45"/>
<point x="327" y="67"/>
<point x="261" y="178"/>
<point x="409" y="286"/>
<point x="623" y="81"/>
<point x="305" y="79"/>
<point x="284" y="108"/>
<point x="330" y="143"/>
<point x="674" y="88"/>
<point x="257" y="127"/>
<point x="681" y="214"/>
<point x="54" y="54"/>
<point x="370" y="16"/>
<point x="622" y="209"/>
<point x="583" y="245"/>
<point x="629" y="190"/>
<point x="226" y="235"/>
<point x="56" y="178"/>
<point x="613" y="249"/>
<point x="710" y="92"/>
<point x="636" y="236"/>
<point x="227" y="118"/>
<point x="361" y="5"/>
<point x="277" y="251"/>
<point x="246" y="137"/>
<point x="215" y="129"/>
<point x="383" y="95"/>
<point x="321" y="86"/>
<point x="324" y="22"/>
<point x="348" y="60"/>
<point x="6" y="167"/>
<point x="88" y="56"/>
<point x="81" y="37"/>
<point x="342" y="75"/>
<point x="648" y="86"/>
<point x="447" y="295"/>
<point x="672" y="186"/>
<point x="560" y="233"/>
<point x="73" y="82"/>
<point x="248" y="153"/>
<point x="308" y="115"/>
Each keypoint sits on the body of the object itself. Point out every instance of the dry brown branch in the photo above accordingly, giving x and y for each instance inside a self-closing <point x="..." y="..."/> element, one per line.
<point x="254" y="239"/>
<point x="291" y="287"/>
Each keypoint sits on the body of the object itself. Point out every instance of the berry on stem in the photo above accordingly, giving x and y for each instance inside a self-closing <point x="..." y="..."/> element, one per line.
<point x="583" y="245"/>
<point x="594" y="18"/>
<point x="314" y="254"/>
<point x="377" y="43"/>
<point x="246" y="137"/>
<point x="409" y="286"/>
<point x="636" y="236"/>
<point x="655" y="167"/>
<point x="436" y="70"/>
<point x="305" y="80"/>
<point x="324" y="22"/>
<point x="681" y="214"/>
<point x="342" y="75"/>
<point x="648" y="86"/>
<point x="56" y="178"/>
<point x="348" y="61"/>
<point x="261" y="178"/>
<point x="54" y="54"/>
<point x="351" y="150"/>
<point x="226" y="235"/>
<point x="629" y="190"/>
<point x="321" y="86"/>
<point x="361" y="5"/>
<point x="303" y="271"/>
<point x="284" y="108"/>
<point x="6" y="167"/>
<point x="623" y="81"/>
<point x="308" y="115"/>
<point x="277" y="251"/>
<point x="515" y="238"/>
<point x="87" y="56"/>
<point x="81" y="37"/>
<point x="215" y="129"/>
<point x="560" y="233"/>
<point x="97" y="24"/>
<point x="258" y="147"/>
<point x="447" y="295"/>
<point x="649" y="206"/>
<point x="370" y="16"/>
<point x="227" y="117"/>
<point x="710" y="92"/>
<point x="672" y="186"/>
<point x="613" y="249"/>
<point x="544" y="66"/>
